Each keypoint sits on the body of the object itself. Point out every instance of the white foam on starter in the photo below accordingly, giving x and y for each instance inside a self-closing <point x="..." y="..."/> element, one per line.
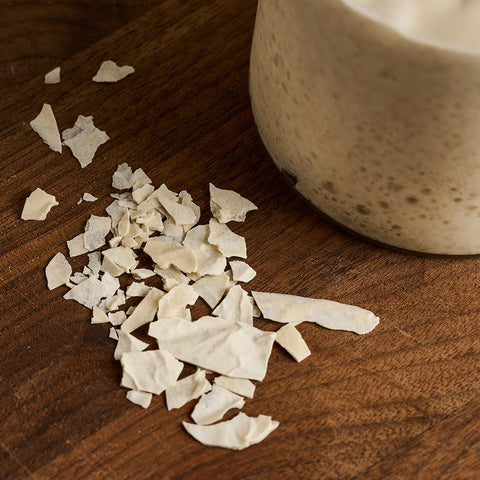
<point x="188" y="260"/>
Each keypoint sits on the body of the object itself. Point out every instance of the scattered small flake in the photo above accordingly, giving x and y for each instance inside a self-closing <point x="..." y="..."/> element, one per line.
<point x="140" y="178"/>
<point x="96" y="229"/>
<point x="231" y="348"/>
<point x="87" y="197"/>
<point x="189" y="388"/>
<point x="76" y="246"/>
<point x="142" y="399"/>
<point x="99" y="316"/>
<point x="122" y="257"/>
<point x="137" y="289"/>
<point x="142" y="273"/>
<point x="94" y="262"/>
<point x="57" y="271"/>
<point x="172" y="230"/>
<point x="228" y="242"/>
<point x="53" y="76"/>
<point x="212" y="288"/>
<point x="173" y="302"/>
<point x="110" y="72"/>
<point x="46" y="126"/>
<point x="110" y="267"/>
<point x="122" y="178"/>
<point x="142" y="193"/>
<point x="83" y="139"/>
<point x="87" y="293"/>
<point x="151" y="371"/>
<point x="117" y="318"/>
<point x="112" y="333"/>
<point x="241" y="271"/>
<point x="227" y="205"/>
<point x="213" y="405"/>
<point x="115" y="212"/>
<point x="179" y="213"/>
<point x="115" y="302"/>
<point x="37" y="205"/>
<point x="167" y="254"/>
<point x="238" y="433"/>
<point x="110" y="285"/>
<point x="240" y="386"/>
<point x="291" y="340"/>
<point x="128" y="343"/>
<point x="171" y="277"/>
<point x="235" y="306"/>
<point x="335" y="316"/>
<point x="209" y="260"/>
<point x="144" y="312"/>
<point x="78" y="277"/>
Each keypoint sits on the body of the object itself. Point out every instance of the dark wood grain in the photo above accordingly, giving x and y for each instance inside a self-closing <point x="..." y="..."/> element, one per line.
<point x="401" y="402"/>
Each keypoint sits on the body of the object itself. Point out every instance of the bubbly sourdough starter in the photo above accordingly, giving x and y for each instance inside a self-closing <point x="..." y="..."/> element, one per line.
<point x="374" y="107"/>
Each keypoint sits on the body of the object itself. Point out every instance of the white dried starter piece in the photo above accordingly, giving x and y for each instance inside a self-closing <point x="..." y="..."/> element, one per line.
<point x="291" y="340"/>
<point x="213" y="405"/>
<point x="142" y="399"/>
<point x="333" y="315"/>
<point x="238" y="433"/>
<point x="83" y="139"/>
<point x="186" y="389"/>
<point x="57" y="271"/>
<point x="53" y="76"/>
<point x="46" y="126"/>
<point x="37" y="205"/>
<point x="227" y="205"/>
<point x="240" y="386"/>
<point x="110" y="72"/>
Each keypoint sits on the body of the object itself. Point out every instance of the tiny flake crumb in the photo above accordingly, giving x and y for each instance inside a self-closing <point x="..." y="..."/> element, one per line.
<point x="291" y="340"/>
<point x="53" y="76"/>
<point x="57" y="271"/>
<point x="110" y="72"/>
<point x="142" y="399"/>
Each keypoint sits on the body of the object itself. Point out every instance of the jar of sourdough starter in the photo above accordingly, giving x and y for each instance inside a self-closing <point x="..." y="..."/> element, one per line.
<point x="373" y="107"/>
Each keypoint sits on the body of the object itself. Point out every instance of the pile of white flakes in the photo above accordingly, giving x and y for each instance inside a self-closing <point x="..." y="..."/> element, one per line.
<point x="192" y="261"/>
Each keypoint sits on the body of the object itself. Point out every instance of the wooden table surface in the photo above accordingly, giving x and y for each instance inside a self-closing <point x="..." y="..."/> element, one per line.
<point x="400" y="402"/>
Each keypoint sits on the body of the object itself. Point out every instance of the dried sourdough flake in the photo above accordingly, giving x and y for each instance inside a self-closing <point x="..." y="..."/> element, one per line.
<point x="83" y="139"/>
<point x="99" y="316"/>
<point x="122" y="257"/>
<point x="78" y="277"/>
<point x="151" y="371"/>
<point x="144" y="312"/>
<point x="236" y="306"/>
<point x="96" y="229"/>
<point x="174" y="302"/>
<point x="142" y="399"/>
<point x="238" y="433"/>
<point x="94" y="262"/>
<point x="291" y="340"/>
<point x="335" y="316"/>
<point x="37" y="205"/>
<point x="142" y="273"/>
<point x="87" y="293"/>
<point x="87" y="197"/>
<point x="240" y="386"/>
<point x="57" y="271"/>
<point x="122" y="177"/>
<point x="241" y="271"/>
<point x="227" y="205"/>
<point x="46" y="126"/>
<point x="212" y="288"/>
<point x="53" y="76"/>
<point x="140" y="194"/>
<point x="228" y="242"/>
<point x="127" y="343"/>
<point x="231" y="348"/>
<point x="110" y="72"/>
<point x="189" y="388"/>
<point x="76" y="246"/>
<point x="171" y="277"/>
<point x="213" y="405"/>
<point x="167" y="254"/>
<point x="117" y="318"/>
<point x="137" y="289"/>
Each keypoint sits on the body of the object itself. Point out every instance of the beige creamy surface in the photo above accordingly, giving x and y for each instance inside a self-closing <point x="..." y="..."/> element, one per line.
<point x="381" y="131"/>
